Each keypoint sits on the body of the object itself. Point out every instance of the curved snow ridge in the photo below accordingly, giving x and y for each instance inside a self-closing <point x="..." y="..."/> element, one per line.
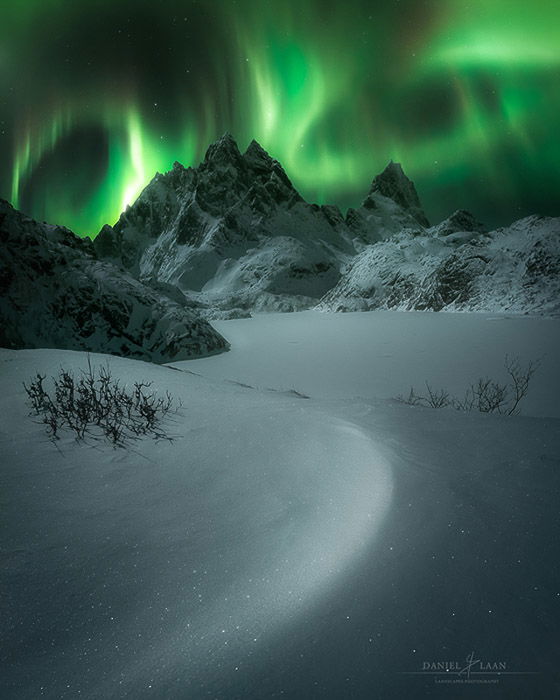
<point x="298" y="525"/>
<point x="159" y="570"/>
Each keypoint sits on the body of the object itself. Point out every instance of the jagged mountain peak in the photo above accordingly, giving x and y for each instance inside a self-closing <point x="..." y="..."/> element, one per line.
<point x="223" y="150"/>
<point x="255" y="148"/>
<point x="392" y="169"/>
<point x="392" y="175"/>
<point x="261" y="163"/>
<point x="190" y="224"/>
<point x="257" y="158"/>
<point x="255" y="162"/>
<point x="394" y="184"/>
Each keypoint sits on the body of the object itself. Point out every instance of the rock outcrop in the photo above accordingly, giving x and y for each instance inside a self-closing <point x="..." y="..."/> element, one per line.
<point x="55" y="292"/>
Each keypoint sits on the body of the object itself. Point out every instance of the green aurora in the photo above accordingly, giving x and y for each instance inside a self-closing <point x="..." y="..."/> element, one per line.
<point x="98" y="95"/>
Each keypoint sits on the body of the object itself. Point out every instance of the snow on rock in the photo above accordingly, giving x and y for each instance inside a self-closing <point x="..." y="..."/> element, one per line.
<point x="391" y="205"/>
<point x="235" y="237"/>
<point x="234" y="233"/>
<point x="457" y="267"/>
<point x="459" y="221"/>
<point x="395" y="185"/>
<point x="56" y="293"/>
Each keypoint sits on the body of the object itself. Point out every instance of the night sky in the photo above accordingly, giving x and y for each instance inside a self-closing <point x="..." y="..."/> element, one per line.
<point x="98" y="95"/>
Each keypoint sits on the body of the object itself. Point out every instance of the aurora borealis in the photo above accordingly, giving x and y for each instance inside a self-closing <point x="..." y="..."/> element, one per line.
<point x="98" y="95"/>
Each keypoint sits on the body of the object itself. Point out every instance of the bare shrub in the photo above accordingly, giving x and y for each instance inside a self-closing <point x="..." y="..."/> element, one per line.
<point x="437" y="399"/>
<point x="486" y="396"/>
<point x="433" y="399"/>
<point x="95" y="404"/>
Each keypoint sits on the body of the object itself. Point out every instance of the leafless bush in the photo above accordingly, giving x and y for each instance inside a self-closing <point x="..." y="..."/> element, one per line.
<point x="433" y="399"/>
<point x="486" y="396"/>
<point x="95" y="404"/>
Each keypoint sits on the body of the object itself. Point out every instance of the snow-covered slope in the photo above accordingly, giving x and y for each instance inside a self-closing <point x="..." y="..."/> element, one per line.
<point x="160" y="570"/>
<point x="54" y="292"/>
<point x="236" y="234"/>
<point x="280" y="546"/>
<point x="457" y="267"/>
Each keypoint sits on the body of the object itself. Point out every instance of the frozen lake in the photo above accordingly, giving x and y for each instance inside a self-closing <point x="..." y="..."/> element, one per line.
<point x="381" y="354"/>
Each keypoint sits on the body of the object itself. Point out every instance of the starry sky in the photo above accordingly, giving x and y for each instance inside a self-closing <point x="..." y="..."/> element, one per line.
<point x="98" y="95"/>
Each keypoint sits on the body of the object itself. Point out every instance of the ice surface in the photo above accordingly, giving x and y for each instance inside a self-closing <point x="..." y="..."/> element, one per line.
<point x="383" y="353"/>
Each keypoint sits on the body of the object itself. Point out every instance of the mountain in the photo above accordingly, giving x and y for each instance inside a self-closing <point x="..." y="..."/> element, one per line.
<point x="55" y="292"/>
<point x="391" y="205"/>
<point x="233" y="236"/>
<point x="456" y="266"/>
<point x="236" y="235"/>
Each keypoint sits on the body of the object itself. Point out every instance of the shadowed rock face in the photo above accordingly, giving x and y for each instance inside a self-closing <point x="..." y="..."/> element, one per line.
<point x="55" y="292"/>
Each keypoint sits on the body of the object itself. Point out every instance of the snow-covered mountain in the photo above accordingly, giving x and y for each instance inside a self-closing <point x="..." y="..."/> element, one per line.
<point x="54" y="292"/>
<point x="456" y="266"/>
<point x="236" y="234"/>
<point x="391" y="205"/>
<point x="233" y="236"/>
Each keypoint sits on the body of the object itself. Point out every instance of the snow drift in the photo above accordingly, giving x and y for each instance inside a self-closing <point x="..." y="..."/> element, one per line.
<point x="161" y="569"/>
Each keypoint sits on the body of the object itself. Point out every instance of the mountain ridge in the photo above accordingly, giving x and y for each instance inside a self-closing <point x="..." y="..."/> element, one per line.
<point x="233" y="236"/>
<point x="190" y="226"/>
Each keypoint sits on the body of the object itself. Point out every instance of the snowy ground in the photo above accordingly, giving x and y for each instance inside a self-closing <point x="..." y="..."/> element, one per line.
<point x="290" y="547"/>
<point x="381" y="354"/>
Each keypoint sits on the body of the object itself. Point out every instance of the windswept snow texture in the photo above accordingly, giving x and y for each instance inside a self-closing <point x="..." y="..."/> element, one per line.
<point x="236" y="235"/>
<point x="515" y="269"/>
<point x="166" y="569"/>
<point x="280" y="546"/>
<point x="54" y="292"/>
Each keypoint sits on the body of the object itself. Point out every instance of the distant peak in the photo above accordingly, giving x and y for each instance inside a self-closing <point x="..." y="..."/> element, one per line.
<point x="226" y="137"/>
<point x="460" y="220"/>
<point x="394" y="184"/>
<point x="392" y="171"/>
